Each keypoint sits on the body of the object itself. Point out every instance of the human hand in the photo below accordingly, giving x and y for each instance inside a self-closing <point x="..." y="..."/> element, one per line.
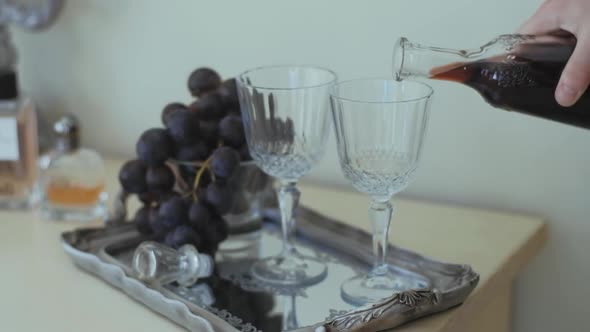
<point x="572" y="16"/>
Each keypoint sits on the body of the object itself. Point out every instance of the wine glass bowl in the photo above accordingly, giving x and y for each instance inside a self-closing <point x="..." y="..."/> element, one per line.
<point x="380" y="126"/>
<point x="286" y="122"/>
<point x="287" y="118"/>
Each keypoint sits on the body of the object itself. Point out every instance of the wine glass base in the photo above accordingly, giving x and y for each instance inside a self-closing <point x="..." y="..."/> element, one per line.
<point x="292" y="270"/>
<point x="366" y="289"/>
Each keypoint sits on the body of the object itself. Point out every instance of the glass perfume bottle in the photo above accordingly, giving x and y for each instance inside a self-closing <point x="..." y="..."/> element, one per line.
<point x="18" y="144"/>
<point x="72" y="177"/>
<point x="513" y="72"/>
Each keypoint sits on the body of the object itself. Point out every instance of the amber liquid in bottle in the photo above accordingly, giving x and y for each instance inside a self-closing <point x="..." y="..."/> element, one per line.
<point x="76" y="195"/>
<point x="523" y="81"/>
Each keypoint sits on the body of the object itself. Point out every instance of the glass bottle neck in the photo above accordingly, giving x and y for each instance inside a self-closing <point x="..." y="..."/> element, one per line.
<point x="414" y="60"/>
<point x="67" y="144"/>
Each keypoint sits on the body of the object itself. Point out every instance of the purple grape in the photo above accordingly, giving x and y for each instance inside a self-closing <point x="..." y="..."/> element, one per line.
<point x="154" y="146"/>
<point x="157" y="227"/>
<point x="182" y="235"/>
<point x="219" y="197"/>
<point x="209" y="131"/>
<point x="183" y="126"/>
<point x="224" y="162"/>
<point x="208" y="107"/>
<point x="229" y="94"/>
<point x="199" y="216"/>
<point x="168" y="239"/>
<point x="188" y="201"/>
<point x="147" y="198"/>
<point x="160" y="179"/>
<point x="201" y="192"/>
<point x="132" y="176"/>
<point x="153" y="197"/>
<point x="173" y="212"/>
<point x="231" y="130"/>
<point x="204" y="181"/>
<point x="217" y="232"/>
<point x="203" y="80"/>
<point x="170" y="109"/>
<point x="142" y="220"/>
<point x="198" y="151"/>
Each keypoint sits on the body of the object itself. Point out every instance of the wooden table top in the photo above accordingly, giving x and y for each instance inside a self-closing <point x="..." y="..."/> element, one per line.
<point x="43" y="291"/>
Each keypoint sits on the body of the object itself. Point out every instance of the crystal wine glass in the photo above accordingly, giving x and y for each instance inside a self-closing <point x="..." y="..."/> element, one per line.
<point x="380" y="126"/>
<point x="286" y="121"/>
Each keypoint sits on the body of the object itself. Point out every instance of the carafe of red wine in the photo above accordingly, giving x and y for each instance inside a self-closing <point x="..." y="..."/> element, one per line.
<point x="512" y="72"/>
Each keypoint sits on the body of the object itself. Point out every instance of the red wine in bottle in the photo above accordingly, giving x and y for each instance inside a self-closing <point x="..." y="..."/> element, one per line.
<point x="522" y="79"/>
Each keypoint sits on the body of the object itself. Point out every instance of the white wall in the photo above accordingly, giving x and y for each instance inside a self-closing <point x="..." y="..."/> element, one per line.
<point x="116" y="63"/>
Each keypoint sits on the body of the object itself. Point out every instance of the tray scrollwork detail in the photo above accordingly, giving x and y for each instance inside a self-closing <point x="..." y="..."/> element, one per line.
<point x="410" y="299"/>
<point x="233" y="320"/>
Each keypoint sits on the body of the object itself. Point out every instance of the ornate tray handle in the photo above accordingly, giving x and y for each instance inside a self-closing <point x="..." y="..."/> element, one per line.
<point x="361" y="318"/>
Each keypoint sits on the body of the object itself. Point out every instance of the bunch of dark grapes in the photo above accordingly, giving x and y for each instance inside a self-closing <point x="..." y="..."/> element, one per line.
<point x="185" y="204"/>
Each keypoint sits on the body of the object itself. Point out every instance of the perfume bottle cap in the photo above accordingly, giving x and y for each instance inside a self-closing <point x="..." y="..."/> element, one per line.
<point x="8" y="85"/>
<point x="67" y="131"/>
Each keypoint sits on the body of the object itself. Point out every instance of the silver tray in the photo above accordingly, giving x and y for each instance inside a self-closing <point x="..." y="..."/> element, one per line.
<point x="232" y="300"/>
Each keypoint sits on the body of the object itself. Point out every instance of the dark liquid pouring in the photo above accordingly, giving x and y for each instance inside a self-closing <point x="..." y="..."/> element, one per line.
<point x="523" y="80"/>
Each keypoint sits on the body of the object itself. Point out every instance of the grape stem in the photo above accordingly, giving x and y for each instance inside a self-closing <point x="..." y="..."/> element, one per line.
<point x="184" y="187"/>
<point x="198" y="176"/>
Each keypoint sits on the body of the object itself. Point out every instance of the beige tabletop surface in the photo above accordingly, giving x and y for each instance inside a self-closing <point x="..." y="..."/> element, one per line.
<point x="43" y="291"/>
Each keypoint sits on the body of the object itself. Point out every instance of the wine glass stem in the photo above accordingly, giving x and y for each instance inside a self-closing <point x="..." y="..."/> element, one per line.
<point x="380" y="214"/>
<point x="288" y="201"/>
<point x="289" y="313"/>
